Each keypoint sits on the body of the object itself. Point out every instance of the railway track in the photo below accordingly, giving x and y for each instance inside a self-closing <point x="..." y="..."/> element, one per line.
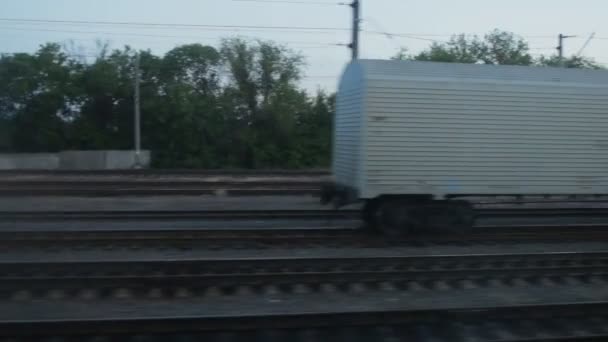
<point x="98" y="188"/>
<point x="263" y="229"/>
<point x="179" y="215"/>
<point x="272" y="229"/>
<point x="275" y="214"/>
<point x="184" y="239"/>
<point x="343" y="298"/>
<point x="276" y="237"/>
<point x="160" y="182"/>
<point x="509" y="323"/>
<point x="301" y="298"/>
<point x="300" y="275"/>
<point x="305" y="298"/>
<point x="515" y="323"/>
<point x="165" y="172"/>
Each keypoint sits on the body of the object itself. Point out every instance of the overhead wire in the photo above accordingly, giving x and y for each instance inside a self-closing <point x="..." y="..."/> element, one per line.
<point x="586" y="43"/>
<point x="384" y="32"/>
<point x="410" y="36"/>
<point x="60" y="28"/>
<point x="542" y="48"/>
<point x="235" y="28"/>
<point x="174" y="25"/>
<point x="66" y="54"/>
<point x="295" y="2"/>
<point x="302" y="44"/>
<point x="321" y="76"/>
<point x="295" y="44"/>
<point x="248" y="27"/>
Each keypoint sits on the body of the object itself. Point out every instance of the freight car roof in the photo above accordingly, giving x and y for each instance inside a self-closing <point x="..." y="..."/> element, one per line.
<point x="394" y="70"/>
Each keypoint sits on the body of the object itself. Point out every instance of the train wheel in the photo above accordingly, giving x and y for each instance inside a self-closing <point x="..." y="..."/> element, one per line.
<point x="397" y="217"/>
<point x="464" y="216"/>
<point x="369" y="213"/>
<point x="394" y="217"/>
<point x="459" y="217"/>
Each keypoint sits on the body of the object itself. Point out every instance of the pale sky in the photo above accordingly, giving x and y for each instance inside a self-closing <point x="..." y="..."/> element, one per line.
<point x="539" y="21"/>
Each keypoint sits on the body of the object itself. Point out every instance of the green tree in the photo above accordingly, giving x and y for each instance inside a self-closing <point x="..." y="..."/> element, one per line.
<point x="459" y="49"/>
<point x="314" y="133"/>
<point x="105" y="102"/>
<point x="34" y="96"/>
<point x="186" y="109"/>
<point x="263" y="100"/>
<point x="501" y="47"/>
<point x="239" y="106"/>
<point x="194" y="66"/>
<point x="569" y="62"/>
<point x="497" y="47"/>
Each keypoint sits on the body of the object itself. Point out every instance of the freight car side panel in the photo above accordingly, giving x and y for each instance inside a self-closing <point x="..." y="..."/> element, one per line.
<point x="463" y="136"/>
<point x="347" y="142"/>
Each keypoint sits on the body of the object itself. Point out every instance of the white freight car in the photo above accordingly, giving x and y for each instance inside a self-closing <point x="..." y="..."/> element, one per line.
<point x="411" y="136"/>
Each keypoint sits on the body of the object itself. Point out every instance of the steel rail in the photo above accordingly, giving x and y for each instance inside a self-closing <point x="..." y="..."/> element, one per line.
<point x="458" y="262"/>
<point x="92" y="280"/>
<point x="176" y="215"/>
<point x="448" y="319"/>
<point x="330" y="235"/>
<point x="169" y="172"/>
<point x="227" y="214"/>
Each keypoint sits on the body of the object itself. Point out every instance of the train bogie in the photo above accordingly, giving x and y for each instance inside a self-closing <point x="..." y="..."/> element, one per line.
<point x="398" y="215"/>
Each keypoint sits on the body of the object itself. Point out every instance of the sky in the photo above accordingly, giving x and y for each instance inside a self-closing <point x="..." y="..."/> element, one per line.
<point x="411" y="24"/>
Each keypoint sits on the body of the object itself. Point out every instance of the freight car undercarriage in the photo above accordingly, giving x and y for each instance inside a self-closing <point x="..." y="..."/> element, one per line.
<point x="396" y="215"/>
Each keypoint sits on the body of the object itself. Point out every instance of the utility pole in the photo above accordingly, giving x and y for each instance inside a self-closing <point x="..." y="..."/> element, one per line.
<point x="354" y="45"/>
<point x="560" y="48"/>
<point x="137" y="114"/>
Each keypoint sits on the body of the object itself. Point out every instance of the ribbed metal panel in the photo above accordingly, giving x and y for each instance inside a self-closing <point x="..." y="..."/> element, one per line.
<point x="349" y="116"/>
<point x="383" y="69"/>
<point x="441" y="128"/>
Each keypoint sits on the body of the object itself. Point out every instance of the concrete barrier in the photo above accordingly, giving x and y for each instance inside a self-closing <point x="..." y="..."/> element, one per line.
<point x="102" y="160"/>
<point x="126" y="159"/>
<point x="75" y="160"/>
<point x="82" y="160"/>
<point x="29" y="161"/>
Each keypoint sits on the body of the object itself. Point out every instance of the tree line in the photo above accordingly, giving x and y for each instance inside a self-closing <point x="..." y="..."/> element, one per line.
<point x="496" y="47"/>
<point x="238" y="105"/>
<point x="233" y="106"/>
